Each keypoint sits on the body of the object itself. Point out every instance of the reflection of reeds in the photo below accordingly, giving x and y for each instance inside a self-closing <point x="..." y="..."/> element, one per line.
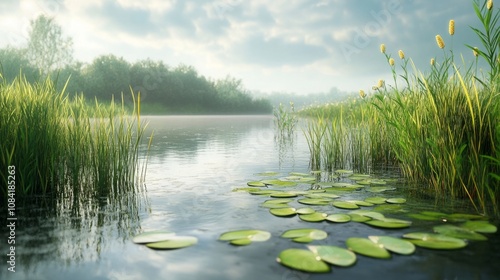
<point x="59" y="147"/>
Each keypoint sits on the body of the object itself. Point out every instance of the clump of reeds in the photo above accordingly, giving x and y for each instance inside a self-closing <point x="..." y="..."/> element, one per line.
<point x="285" y="120"/>
<point x="66" y="148"/>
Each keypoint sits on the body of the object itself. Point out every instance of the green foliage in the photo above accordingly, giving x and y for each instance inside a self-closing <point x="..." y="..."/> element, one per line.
<point x="285" y="120"/>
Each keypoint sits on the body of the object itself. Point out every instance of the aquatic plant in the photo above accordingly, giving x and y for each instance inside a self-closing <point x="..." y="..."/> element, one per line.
<point x="285" y="120"/>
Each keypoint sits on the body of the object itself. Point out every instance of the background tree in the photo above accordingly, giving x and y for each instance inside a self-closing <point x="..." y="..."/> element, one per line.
<point x="47" y="48"/>
<point x="13" y="63"/>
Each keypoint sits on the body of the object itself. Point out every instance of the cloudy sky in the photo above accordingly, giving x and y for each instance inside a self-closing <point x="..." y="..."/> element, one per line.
<point x="299" y="46"/>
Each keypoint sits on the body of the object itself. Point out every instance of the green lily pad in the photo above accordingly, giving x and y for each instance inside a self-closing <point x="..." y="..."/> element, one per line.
<point x="369" y="214"/>
<point x="396" y="200"/>
<point x="480" y="226"/>
<point x="315" y="201"/>
<point x="346" y="185"/>
<point x="458" y="217"/>
<point x="345" y="205"/>
<point x="389" y="208"/>
<point x="459" y="232"/>
<point x="305" y="235"/>
<point x="361" y="203"/>
<point x="263" y="192"/>
<point x="334" y="255"/>
<point x="256" y="184"/>
<point x="358" y="218"/>
<point x="343" y="171"/>
<point x="303" y="260"/>
<point x="306" y="210"/>
<point x="376" y="200"/>
<point x="378" y="182"/>
<point x="283" y="194"/>
<point x="239" y="236"/>
<point x="396" y="245"/>
<point x="278" y="201"/>
<point x="338" y="218"/>
<point x="279" y="183"/>
<point x="299" y="174"/>
<point x="423" y="217"/>
<point x="246" y="189"/>
<point x="322" y="195"/>
<point x="153" y="236"/>
<point x="283" y="212"/>
<point x="174" y="242"/>
<point x="362" y="181"/>
<point x="367" y="248"/>
<point x="379" y="189"/>
<point x="434" y="214"/>
<point x="389" y="223"/>
<point x="314" y="217"/>
<point x="268" y="173"/>
<point x="435" y="241"/>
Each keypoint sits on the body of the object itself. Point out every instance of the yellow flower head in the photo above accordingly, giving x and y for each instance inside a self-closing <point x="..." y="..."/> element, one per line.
<point x="433" y="61"/>
<point x="440" y="41"/>
<point x="380" y="83"/>
<point x="362" y="93"/>
<point x="489" y="5"/>
<point x="391" y="61"/>
<point x="401" y="54"/>
<point x="451" y="27"/>
<point x="382" y="48"/>
<point x="474" y="52"/>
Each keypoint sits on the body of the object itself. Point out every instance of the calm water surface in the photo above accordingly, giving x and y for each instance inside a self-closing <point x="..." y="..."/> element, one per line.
<point x="194" y="163"/>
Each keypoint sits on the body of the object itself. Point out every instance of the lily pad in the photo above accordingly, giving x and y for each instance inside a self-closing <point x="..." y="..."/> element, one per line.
<point x="459" y="217"/>
<point x="174" y="242"/>
<point x="278" y="201"/>
<point x="396" y="245"/>
<point x="279" y="183"/>
<point x="343" y="171"/>
<point x="263" y="192"/>
<point x="299" y="174"/>
<point x="338" y="218"/>
<point x="369" y="214"/>
<point x="304" y="260"/>
<point x="246" y="189"/>
<point x="268" y="173"/>
<point x="305" y="235"/>
<point x="379" y="189"/>
<point x="334" y="255"/>
<point x="314" y="217"/>
<point x="358" y="218"/>
<point x="283" y="194"/>
<point x="345" y="205"/>
<point x="376" y="200"/>
<point x="367" y="248"/>
<point x="306" y="210"/>
<point x="423" y="217"/>
<point x="435" y="241"/>
<point x="361" y="203"/>
<point x="256" y="184"/>
<point x="389" y="223"/>
<point x="238" y="236"/>
<point x="153" y="236"/>
<point x="479" y="226"/>
<point x="459" y="232"/>
<point x="322" y="195"/>
<point x="315" y="201"/>
<point x="283" y="212"/>
<point x="396" y="200"/>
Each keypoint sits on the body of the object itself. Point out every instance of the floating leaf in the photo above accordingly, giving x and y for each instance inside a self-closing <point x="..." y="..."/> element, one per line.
<point x="396" y="245"/>
<point x="480" y="226"/>
<point x="279" y="183"/>
<point x="256" y="184"/>
<point x="358" y="218"/>
<point x="361" y="203"/>
<point x="378" y="182"/>
<point x="345" y="205"/>
<point x="434" y="214"/>
<point x="306" y="210"/>
<point x="283" y="194"/>
<point x="423" y="217"/>
<point x="338" y="218"/>
<point x="263" y="192"/>
<point x="153" y="236"/>
<point x="278" y="201"/>
<point x="346" y="185"/>
<point x="239" y="236"/>
<point x="458" y="217"/>
<point x="314" y="217"/>
<point x="174" y="242"/>
<point x="303" y="260"/>
<point x="389" y="223"/>
<point x="322" y="195"/>
<point x="267" y="173"/>
<point x="376" y="200"/>
<point x="246" y="189"/>
<point x="315" y="201"/>
<point x="459" y="232"/>
<point x="389" y="208"/>
<point x="283" y="212"/>
<point x="396" y="200"/>
<point x="334" y="255"/>
<point x="379" y="189"/>
<point x="343" y="171"/>
<point x="305" y="235"/>
<point x="366" y="247"/>
<point x="435" y="241"/>
<point x="370" y="214"/>
<point x="299" y="174"/>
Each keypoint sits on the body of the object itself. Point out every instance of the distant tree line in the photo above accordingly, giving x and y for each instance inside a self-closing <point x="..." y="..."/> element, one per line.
<point x="164" y="89"/>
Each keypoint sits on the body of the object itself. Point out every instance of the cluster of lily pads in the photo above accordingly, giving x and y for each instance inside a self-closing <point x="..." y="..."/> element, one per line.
<point x="318" y="259"/>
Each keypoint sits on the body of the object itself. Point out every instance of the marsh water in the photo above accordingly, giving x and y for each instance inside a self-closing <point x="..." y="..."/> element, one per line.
<point x="194" y="163"/>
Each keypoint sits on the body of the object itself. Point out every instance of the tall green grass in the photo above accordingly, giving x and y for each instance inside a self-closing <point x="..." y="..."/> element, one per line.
<point x="441" y="127"/>
<point x="285" y="120"/>
<point x="66" y="148"/>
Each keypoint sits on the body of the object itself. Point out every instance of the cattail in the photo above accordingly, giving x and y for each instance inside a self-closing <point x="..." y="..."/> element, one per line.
<point x="451" y="27"/>
<point x="474" y="52"/>
<point x="382" y="48"/>
<point x="401" y="54"/>
<point x="433" y="61"/>
<point x="362" y="93"/>
<point x="391" y="61"/>
<point x="440" y="41"/>
<point x="489" y="5"/>
<point x="380" y="83"/>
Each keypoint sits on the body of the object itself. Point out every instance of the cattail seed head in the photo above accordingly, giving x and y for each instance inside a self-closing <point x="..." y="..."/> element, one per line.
<point x="439" y="41"/>
<point x="451" y="27"/>
<point x="474" y="52"/>
<point x="401" y="54"/>
<point x="391" y="61"/>
<point x="362" y="93"/>
<point x="382" y="48"/>
<point x="433" y="61"/>
<point x="489" y="5"/>
<point x="380" y="83"/>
